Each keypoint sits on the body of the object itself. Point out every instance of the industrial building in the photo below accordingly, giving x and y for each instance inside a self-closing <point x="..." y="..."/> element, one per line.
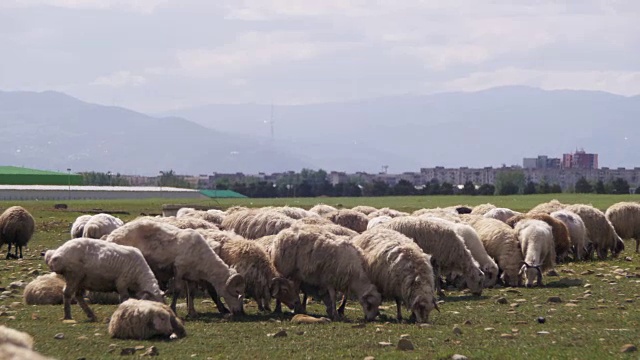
<point x="75" y="192"/>
<point x="13" y="175"/>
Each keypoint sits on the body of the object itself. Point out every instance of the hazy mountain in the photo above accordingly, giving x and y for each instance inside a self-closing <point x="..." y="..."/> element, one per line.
<point x="491" y="127"/>
<point x="50" y="130"/>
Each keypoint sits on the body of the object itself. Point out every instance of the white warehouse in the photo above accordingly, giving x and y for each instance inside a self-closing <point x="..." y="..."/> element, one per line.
<point x="76" y="192"/>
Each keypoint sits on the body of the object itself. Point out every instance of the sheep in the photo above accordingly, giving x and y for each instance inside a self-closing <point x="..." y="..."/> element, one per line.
<point x="377" y="221"/>
<point x="77" y="228"/>
<point x="482" y="209"/>
<point x="45" y="290"/>
<point x="502" y="214"/>
<point x="561" y="237"/>
<point x="9" y="351"/>
<point x="184" y="255"/>
<point x="233" y="209"/>
<point x="474" y="244"/>
<point x="438" y="213"/>
<point x="577" y="231"/>
<point x="313" y="257"/>
<point x="100" y="225"/>
<point x="15" y="337"/>
<point x="186" y="222"/>
<point x="351" y="219"/>
<point x="365" y="209"/>
<point x="446" y="248"/>
<point x="548" y="207"/>
<point x="256" y="223"/>
<point x="501" y="243"/>
<point x="400" y="270"/>
<point x="90" y="264"/>
<point x="538" y="249"/>
<point x="625" y="218"/>
<point x="294" y="212"/>
<point x="460" y="209"/>
<point x="16" y="228"/>
<point x="600" y="232"/>
<point x="388" y="212"/>
<point x="322" y="209"/>
<point x="262" y="281"/>
<point x="212" y="216"/>
<point x="143" y="319"/>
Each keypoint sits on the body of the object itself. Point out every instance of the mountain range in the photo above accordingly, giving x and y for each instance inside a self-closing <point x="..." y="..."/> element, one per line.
<point x="54" y="131"/>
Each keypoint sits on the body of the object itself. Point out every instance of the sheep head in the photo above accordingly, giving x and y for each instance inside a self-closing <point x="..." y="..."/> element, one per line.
<point x="531" y="273"/>
<point x="475" y="281"/>
<point x="234" y="292"/>
<point x="284" y="290"/>
<point x="370" y="301"/>
<point x="421" y="307"/>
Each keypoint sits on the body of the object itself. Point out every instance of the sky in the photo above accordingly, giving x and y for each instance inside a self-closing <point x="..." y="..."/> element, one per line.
<point x="161" y="55"/>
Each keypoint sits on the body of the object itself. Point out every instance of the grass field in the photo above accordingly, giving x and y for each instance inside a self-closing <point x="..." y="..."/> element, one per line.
<point x="597" y="316"/>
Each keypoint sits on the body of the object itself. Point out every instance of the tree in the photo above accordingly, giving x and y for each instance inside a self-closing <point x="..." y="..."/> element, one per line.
<point x="544" y="188"/>
<point x="103" y="179"/>
<point x="638" y="190"/>
<point x="446" y="188"/>
<point x="404" y="188"/>
<point x="486" y="189"/>
<point x="599" y="188"/>
<point x="432" y="188"/>
<point x="468" y="189"/>
<point x="169" y="178"/>
<point x="530" y="188"/>
<point x="555" y="189"/>
<point x="509" y="182"/>
<point x="377" y="188"/>
<point x="620" y="186"/>
<point x="582" y="186"/>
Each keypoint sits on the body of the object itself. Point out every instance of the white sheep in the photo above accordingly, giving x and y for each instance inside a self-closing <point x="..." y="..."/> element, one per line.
<point x="100" y="225"/>
<point x="184" y="255"/>
<point x="400" y="270"/>
<point x="625" y="218"/>
<point x="213" y="216"/>
<point x="548" y="207"/>
<point x="351" y="219"/>
<point x="447" y="249"/>
<point x="475" y="246"/>
<point x="501" y="243"/>
<point x="143" y="319"/>
<point x="538" y="249"/>
<point x="482" y="209"/>
<point x="185" y="222"/>
<point x="502" y="214"/>
<point x="9" y="351"/>
<point x="77" y="228"/>
<point x="45" y="290"/>
<point x="311" y="256"/>
<point x="601" y="235"/>
<point x="322" y="209"/>
<point x="446" y="214"/>
<point x="377" y="221"/>
<point x="365" y="209"/>
<point x="15" y="337"/>
<point x="386" y="212"/>
<point x="256" y="223"/>
<point x="96" y="265"/>
<point x="577" y="231"/>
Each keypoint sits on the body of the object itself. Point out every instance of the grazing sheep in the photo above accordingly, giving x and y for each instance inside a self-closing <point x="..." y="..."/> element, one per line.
<point x="256" y="223"/>
<point x="233" y="209"/>
<point x="311" y="256"/>
<point x="184" y="255"/>
<point x="365" y="209"/>
<point x="9" y="351"/>
<point x="213" y="216"/>
<point x="16" y="228"/>
<point x="100" y="225"/>
<point x="78" y="226"/>
<point x="501" y="243"/>
<point x="15" y="337"/>
<point x="45" y="290"/>
<point x="322" y="209"/>
<point x="438" y="213"/>
<point x="186" y="222"/>
<point x="460" y="209"/>
<point x="294" y="212"/>
<point x="482" y="209"/>
<point x="561" y="237"/>
<point x="351" y="219"/>
<point x="96" y="265"/>
<point x="474" y="244"/>
<point x="502" y="214"/>
<point x="625" y="218"/>
<point x="219" y="236"/>
<point x="142" y="319"/>
<point x="386" y="212"/>
<point x="600" y="232"/>
<point x="377" y="221"/>
<point x="577" y="231"/>
<point x="538" y="249"/>
<point x="262" y="281"/>
<point x="548" y="207"/>
<point x="447" y="249"/>
<point x="400" y="270"/>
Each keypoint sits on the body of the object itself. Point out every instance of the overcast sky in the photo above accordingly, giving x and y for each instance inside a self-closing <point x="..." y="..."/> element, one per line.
<point x="156" y="55"/>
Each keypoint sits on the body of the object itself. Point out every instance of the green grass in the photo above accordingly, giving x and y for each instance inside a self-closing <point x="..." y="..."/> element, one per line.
<point x="595" y="328"/>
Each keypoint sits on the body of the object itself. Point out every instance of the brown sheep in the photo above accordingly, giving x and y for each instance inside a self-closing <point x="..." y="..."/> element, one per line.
<point x="16" y="228"/>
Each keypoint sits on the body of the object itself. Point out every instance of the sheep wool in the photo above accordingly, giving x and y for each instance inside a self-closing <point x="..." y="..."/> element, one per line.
<point x="8" y="351"/>
<point x="15" y="337"/>
<point x="351" y="219"/>
<point x="45" y="290"/>
<point x="99" y="225"/>
<point x="600" y="232"/>
<point x="256" y="223"/>
<point x="400" y="270"/>
<point x="548" y="207"/>
<point x="365" y="209"/>
<point x="322" y="209"/>
<point x="561" y="236"/>
<point x="625" y="218"/>
<point x="538" y="249"/>
<point x="482" y="209"/>
<point x="502" y="214"/>
<point x="142" y="319"/>
<point x="16" y="229"/>
<point x="213" y="216"/>
<point x="77" y="228"/>
<point x="576" y="229"/>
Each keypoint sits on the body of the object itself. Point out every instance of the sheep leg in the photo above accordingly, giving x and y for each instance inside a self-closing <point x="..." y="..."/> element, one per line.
<point x="84" y="306"/>
<point x="191" y="309"/>
<point x="9" y="252"/>
<point x="637" y="243"/>
<point x="266" y="305"/>
<point x="216" y="299"/>
<point x="399" y="309"/>
<point x="330" y="303"/>
<point x="16" y="248"/>
<point x="278" y="309"/>
<point x="343" y="304"/>
<point x="178" y="284"/>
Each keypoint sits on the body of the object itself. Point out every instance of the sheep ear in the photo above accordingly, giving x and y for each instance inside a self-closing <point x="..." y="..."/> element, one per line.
<point x="236" y="284"/>
<point x="276" y="283"/>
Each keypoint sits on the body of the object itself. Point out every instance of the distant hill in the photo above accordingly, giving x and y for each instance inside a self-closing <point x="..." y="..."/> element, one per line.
<point x="50" y="130"/>
<point x="485" y="128"/>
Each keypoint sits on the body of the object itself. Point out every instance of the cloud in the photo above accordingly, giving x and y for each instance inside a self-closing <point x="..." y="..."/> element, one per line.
<point x="120" y="79"/>
<point x="142" y="6"/>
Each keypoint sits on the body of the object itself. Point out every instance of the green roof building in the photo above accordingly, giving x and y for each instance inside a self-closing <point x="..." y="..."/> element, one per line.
<point x="13" y="175"/>
<point x="222" y="194"/>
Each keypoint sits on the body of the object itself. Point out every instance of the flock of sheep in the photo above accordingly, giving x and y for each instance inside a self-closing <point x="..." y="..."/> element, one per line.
<point x="335" y="255"/>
